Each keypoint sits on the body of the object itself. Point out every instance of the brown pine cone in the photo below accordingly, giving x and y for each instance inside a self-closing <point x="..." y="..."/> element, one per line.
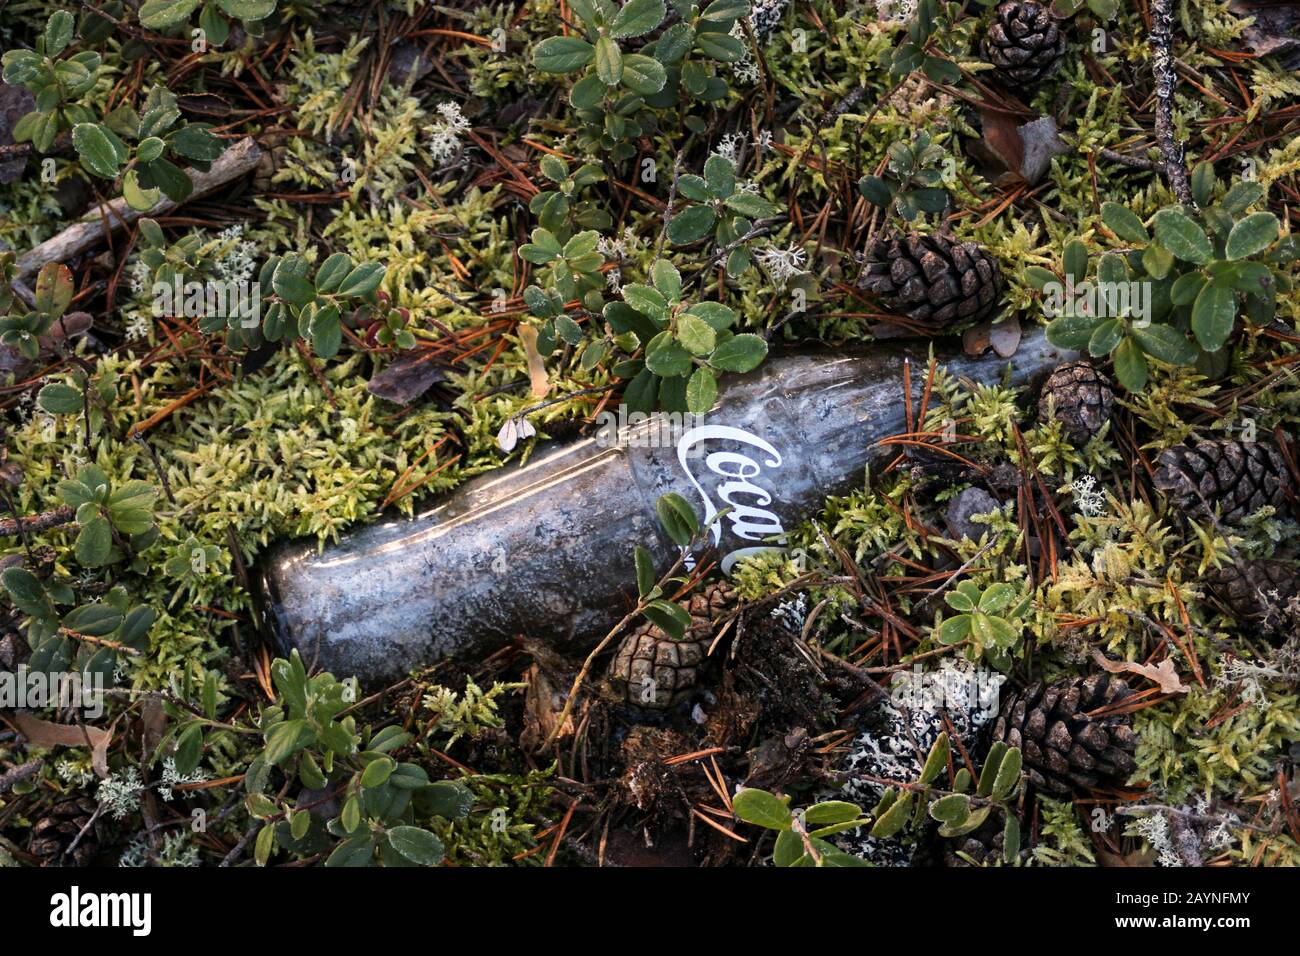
<point x="1024" y="42"/>
<point x="1079" y="397"/>
<point x="1260" y="594"/>
<point x="1234" y="478"/>
<point x="934" y="279"/>
<point x="54" y="833"/>
<point x="1065" y="749"/>
<point x="654" y="671"/>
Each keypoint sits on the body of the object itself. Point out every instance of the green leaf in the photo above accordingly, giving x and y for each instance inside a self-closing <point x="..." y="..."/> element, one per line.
<point x="1074" y="260"/>
<point x="136" y="196"/>
<point x="265" y="843"/>
<point x="1241" y="196"/>
<point x="59" y="399"/>
<point x="1203" y="183"/>
<point x="1071" y="332"/>
<point x="609" y="61"/>
<point x="1165" y="343"/>
<point x="332" y="271"/>
<point x="720" y="175"/>
<point x="725" y="11"/>
<point x="953" y="809"/>
<point x="762" y="809"/>
<point x="1008" y="777"/>
<point x="666" y="279"/>
<point x="645" y="571"/>
<point x="671" y="618"/>
<point x="27" y="592"/>
<point x="643" y="74"/>
<point x="695" y="335"/>
<point x="1130" y="365"/>
<point x="363" y="280"/>
<point x="716" y="314"/>
<point x="1157" y="260"/>
<point x="720" y="46"/>
<point x="162" y="14"/>
<point x="677" y="517"/>
<point x="95" y="150"/>
<point x="637" y="18"/>
<point x="290" y="281"/>
<point x="646" y="300"/>
<point x="1124" y="223"/>
<point x="1011" y="839"/>
<point x="690" y="224"/>
<point x="196" y="141"/>
<point x="674" y="43"/>
<point x="94" y="542"/>
<point x="830" y="812"/>
<point x="1105" y="337"/>
<point x="1213" y="315"/>
<point x="284" y="740"/>
<point x="58" y="32"/>
<point x="417" y="845"/>
<point x="751" y="205"/>
<point x="248" y="9"/>
<point x="1181" y="236"/>
<point x="170" y="178"/>
<point x="937" y="760"/>
<point x="95" y="620"/>
<point x="740" y="353"/>
<point x="665" y="356"/>
<point x="701" y="391"/>
<point x="377" y="772"/>
<point x="563" y="54"/>
<point x="954" y="629"/>
<point x="988" y="773"/>
<point x="1252" y="235"/>
<point x="1186" y="288"/>
<point x="895" y="818"/>
<point x="355" y="851"/>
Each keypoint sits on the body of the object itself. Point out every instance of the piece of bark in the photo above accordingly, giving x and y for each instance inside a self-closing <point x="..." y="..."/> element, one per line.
<point x="237" y="160"/>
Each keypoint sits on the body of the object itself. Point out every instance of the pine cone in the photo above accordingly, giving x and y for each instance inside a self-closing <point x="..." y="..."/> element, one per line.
<point x="1079" y="397"/>
<point x="933" y="279"/>
<point x="654" y="671"/>
<point x="1024" y="42"/>
<point x="55" y="831"/>
<point x="1236" y="478"/>
<point x="1063" y="748"/>
<point x="1260" y="594"/>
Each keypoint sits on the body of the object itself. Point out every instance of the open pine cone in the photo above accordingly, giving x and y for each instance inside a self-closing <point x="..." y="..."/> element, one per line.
<point x="1260" y="594"/>
<point x="1236" y="478"/>
<point x="1079" y="397"/>
<point x="1024" y="42"/>
<point x="934" y="280"/>
<point x="1065" y="749"/>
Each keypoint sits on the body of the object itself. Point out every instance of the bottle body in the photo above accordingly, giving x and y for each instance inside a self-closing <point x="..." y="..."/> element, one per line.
<point x="545" y="549"/>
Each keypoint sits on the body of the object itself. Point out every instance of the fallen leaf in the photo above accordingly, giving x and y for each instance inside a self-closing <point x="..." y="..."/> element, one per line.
<point x="407" y="379"/>
<point x="1022" y="150"/>
<point x="976" y="340"/>
<point x="1162" y="673"/>
<point x="541" y="383"/>
<point x="1004" y="336"/>
<point x="42" y="733"/>
<point x="1040" y="140"/>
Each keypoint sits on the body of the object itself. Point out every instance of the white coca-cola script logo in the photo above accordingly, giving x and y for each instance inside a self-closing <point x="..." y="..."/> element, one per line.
<point x="749" y="515"/>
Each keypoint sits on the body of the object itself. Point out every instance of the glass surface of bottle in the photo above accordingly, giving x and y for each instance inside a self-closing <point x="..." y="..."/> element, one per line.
<point x="546" y="549"/>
